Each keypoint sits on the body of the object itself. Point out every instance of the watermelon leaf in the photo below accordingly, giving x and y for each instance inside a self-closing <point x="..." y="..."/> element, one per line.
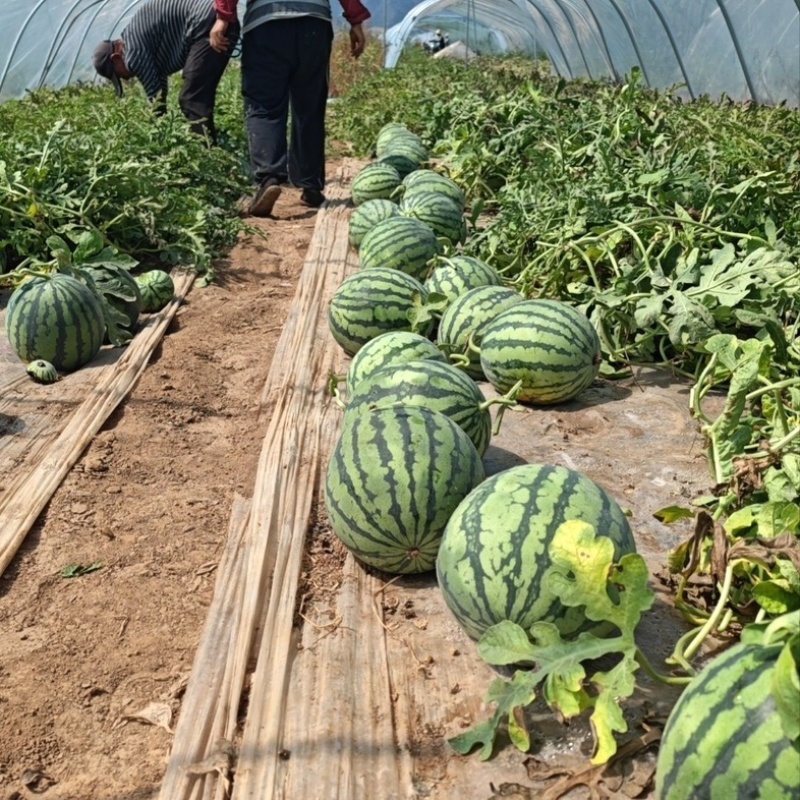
<point x="583" y="574"/>
<point x="506" y="643"/>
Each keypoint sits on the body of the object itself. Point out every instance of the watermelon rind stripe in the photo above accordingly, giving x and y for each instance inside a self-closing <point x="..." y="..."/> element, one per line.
<point x="724" y="737"/>
<point x="493" y="556"/>
<point x="393" y="479"/>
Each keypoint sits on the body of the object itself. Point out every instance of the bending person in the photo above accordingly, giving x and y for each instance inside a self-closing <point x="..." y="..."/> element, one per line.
<point x="164" y="37"/>
<point x="286" y="49"/>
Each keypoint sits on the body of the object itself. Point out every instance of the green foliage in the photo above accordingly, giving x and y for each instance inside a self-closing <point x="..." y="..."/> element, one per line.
<point x="583" y="575"/>
<point x="82" y="160"/>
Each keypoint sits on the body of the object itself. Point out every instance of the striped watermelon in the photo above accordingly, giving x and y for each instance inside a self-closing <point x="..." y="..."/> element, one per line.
<point x="403" y="163"/>
<point x="458" y="274"/>
<point x="409" y="147"/>
<point x="392" y="482"/>
<point x="375" y="181"/>
<point x="367" y="216"/>
<point x="399" y="243"/>
<point x="370" y="303"/>
<point x="466" y="317"/>
<point x="494" y="552"/>
<point x="431" y="384"/>
<point x="56" y="319"/>
<point x="549" y="346"/>
<point x="157" y="289"/>
<point x="438" y="212"/>
<point x="427" y="180"/>
<point x="724" y="739"/>
<point x="392" y="132"/>
<point x="394" y="348"/>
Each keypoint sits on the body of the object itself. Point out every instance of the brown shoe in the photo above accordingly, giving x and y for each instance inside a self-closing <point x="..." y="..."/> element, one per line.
<point x="265" y="198"/>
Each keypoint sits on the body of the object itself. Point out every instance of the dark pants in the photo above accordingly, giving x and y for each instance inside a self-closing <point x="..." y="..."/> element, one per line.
<point x="285" y="65"/>
<point x="202" y="73"/>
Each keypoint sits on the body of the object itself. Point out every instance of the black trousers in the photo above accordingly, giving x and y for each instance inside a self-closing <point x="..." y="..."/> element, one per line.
<point x="202" y="73"/>
<point x="285" y="67"/>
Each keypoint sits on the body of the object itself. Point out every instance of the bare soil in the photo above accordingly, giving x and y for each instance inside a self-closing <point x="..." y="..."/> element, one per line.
<point x="148" y="505"/>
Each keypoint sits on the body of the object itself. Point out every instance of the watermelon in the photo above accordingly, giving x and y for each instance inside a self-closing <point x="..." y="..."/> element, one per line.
<point x="375" y="181"/>
<point x="494" y="552"/>
<point x="42" y="371"/>
<point x="392" y="132"/>
<point x="157" y="289"/>
<point x="394" y="348"/>
<point x="392" y="482"/>
<point x="724" y="739"/>
<point x="407" y="147"/>
<point x="367" y="216"/>
<point x="399" y="243"/>
<point x="431" y="384"/>
<point x="549" y="346"/>
<point x="427" y="180"/>
<point x="404" y="164"/>
<point x="372" y="302"/>
<point x="466" y="317"/>
<point x="57" y="319"/>
<point x="438" y="211"/>
<point x="458" y="274"/>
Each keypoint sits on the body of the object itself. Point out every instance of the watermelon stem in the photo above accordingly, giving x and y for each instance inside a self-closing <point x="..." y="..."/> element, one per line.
<point x="716" y="614"/>
<point x="505" y="401"/>
<point x="670" y="680"/>
<point x="332" y="388"/>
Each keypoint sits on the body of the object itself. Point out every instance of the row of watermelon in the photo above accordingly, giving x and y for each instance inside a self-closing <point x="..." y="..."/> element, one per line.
<point x="405" y="488"/>
<point x="57" y="322"/>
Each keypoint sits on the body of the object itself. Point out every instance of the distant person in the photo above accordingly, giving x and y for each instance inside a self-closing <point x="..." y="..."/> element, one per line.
<point x="163" y="37"/>
<point x="439" y="41"/>
<point x="286" y="50"/>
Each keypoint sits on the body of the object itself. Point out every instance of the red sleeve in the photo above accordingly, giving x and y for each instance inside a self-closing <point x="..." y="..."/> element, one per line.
<point x="226" y="9"/>
<point x="354" y="12"/>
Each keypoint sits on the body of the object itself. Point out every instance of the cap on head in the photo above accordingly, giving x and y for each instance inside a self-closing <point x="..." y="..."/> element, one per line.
<point x="438" y="31"/>
<point x="104" y="64"/>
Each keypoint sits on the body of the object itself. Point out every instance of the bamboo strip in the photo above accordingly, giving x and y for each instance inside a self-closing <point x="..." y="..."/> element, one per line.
<point x="200" y="758"/>
<point x="282" y="512"/>
<point x="294" y="395"/>
<point x="19" y="509"/>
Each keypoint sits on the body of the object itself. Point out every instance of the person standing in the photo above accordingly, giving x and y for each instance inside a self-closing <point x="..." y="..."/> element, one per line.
<point x="286" y="49"/>
<point x="163" y="37"/>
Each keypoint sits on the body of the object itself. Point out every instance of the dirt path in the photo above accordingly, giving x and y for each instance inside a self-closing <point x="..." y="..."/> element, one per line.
<point x="150" y="500"/>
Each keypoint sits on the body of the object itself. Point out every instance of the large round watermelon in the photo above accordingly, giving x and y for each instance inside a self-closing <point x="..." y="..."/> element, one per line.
<point x="548" y="346"/>
<point x="399" y="243"/>
<point x="431" y="384"/>
<point x="375" y="181"/>
<point x="426" y="180"/>
<point x="56" y="319"/>
<point x="465" y="320"/>
<point x="393" y="348"/>
<point x="495" y="550"/>
<point x="441" y="214"/>
<point x="724" y="738"/>
<point x="392" y="482"/>
<point x="367" y="216"/>
<point x="372" y="302"/>
<point x="456" y="275"/>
